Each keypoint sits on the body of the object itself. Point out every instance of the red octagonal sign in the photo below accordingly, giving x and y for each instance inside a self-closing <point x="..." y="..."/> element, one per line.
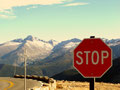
<point x="92" y="58"/>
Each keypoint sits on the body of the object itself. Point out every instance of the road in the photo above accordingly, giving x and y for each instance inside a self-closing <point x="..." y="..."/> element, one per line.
<point x="7" y="83"/>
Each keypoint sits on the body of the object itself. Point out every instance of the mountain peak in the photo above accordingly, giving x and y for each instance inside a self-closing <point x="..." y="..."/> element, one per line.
<point x="32" y="38"/>
<point x="75" y="40"/>
<point x="18" y="40"/>
<point x="53" y="42"/>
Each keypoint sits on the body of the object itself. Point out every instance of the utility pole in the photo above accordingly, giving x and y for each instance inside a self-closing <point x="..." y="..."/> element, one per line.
<point x="15" y="68"/>
<point x="25" y="58"/>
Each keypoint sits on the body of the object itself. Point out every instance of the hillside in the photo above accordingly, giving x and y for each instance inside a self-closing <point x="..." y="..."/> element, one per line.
<point x="54" y="65"/>
<point x="113" y="75"/>
<point x="8" y="71"/>
<point x="48" y="68"/>
<point x="62" y="64"/>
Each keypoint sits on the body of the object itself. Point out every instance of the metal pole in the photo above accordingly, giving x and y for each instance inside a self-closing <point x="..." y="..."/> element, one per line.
<point x="25" y="58"/>
<point x="92" y="80"/>
<point x="92" y="36"/>
<point x="92" y="83"/>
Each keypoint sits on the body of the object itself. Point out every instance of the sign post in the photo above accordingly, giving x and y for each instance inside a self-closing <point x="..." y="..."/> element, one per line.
<point x="92" y="58"/>
<point x="92" y="83"/>
<point x="92" y="80"/>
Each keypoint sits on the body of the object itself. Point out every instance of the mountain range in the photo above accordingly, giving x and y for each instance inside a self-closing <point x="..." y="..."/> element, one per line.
<point x="43" y="57"/>
<point x="13" y="52"/>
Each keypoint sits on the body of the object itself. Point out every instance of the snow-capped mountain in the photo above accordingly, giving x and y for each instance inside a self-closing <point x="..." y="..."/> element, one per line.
<point x="67" y="44"/>
<point x="53" y="42"/>
<point x="37" y="49"/>
<point x="114" y="45"/>
<point x="8" y="47"/>
<point x="18" y="40"/>
<point x="112" y="41"/>
<point x="64" y="46"/>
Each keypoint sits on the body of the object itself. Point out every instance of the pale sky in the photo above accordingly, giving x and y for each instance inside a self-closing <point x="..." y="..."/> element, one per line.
<point x="59" y="19"/>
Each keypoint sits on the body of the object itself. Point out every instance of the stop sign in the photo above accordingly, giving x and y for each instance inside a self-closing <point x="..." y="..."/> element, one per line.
<point x="92" y="58"/>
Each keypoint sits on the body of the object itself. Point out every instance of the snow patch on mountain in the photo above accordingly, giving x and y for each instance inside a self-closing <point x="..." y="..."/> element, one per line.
<point x="8" y="47"/>
<point x="66" y="44"/>
<point x="36" y="49"/>
<point x="114" y="44"/>
<point x="18" y="40"/>
<point x="111" y="41"/>
<point x="53" y="42"/>
<point x="71" y="45"/>
<point x="39" y="44"/>
<point x="11" y="44"/>
<point x="114" y="40"/>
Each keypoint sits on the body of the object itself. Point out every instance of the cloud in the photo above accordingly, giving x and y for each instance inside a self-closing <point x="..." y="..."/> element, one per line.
<point x="31" y="7"/>
<point x="6" y="6"/>
<point x="6" y="11"/>
<point x="75" y="4"/>
<point x="7" y="16"/>
<point x="9" y="4"/>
